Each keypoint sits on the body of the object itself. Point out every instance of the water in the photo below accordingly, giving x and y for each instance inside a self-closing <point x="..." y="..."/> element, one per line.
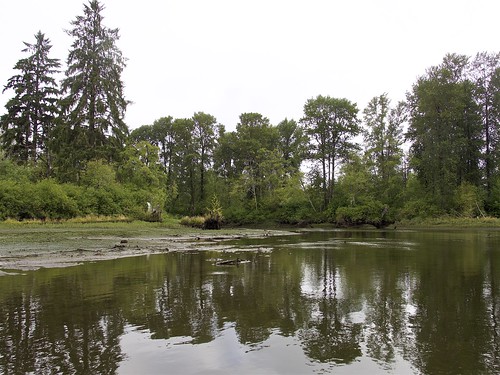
<point x="342" y="302"/>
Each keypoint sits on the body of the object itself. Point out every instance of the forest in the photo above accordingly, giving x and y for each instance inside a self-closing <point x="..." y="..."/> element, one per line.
<point x="66" y="152"/>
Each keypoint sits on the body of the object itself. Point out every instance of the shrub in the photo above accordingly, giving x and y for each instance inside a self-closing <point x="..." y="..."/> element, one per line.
<point x="16" y="200"/>
<point x="467" y="198"/>
<point x="51" y="202"/>
<point x="374" y="213"/>
<point x="193" y="221"/>
<point x="214" y="217"/>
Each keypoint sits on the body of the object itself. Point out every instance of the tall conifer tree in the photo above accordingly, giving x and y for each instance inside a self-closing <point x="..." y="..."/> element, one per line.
<point x="93" y="101"/>
<point x="27" y="125"/>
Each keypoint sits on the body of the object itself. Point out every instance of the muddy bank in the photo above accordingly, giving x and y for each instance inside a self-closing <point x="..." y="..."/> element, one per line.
<point x="50" y="248"/>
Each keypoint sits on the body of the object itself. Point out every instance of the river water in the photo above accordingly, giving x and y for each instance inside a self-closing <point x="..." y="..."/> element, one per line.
<point x="319" y="302"/>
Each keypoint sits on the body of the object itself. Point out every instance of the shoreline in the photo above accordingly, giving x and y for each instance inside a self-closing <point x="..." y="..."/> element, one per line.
<point x="50" y="248"/>
<point x="31" y="246"/>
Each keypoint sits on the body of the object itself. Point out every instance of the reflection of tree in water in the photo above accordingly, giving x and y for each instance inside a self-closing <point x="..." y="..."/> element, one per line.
<point x="71" y="320"/>
<point x="40" y="332"/>
<point x="453" y="325"/>
<point x="331" y="337"/>
<point x="183" y="303"/>
<point x="386" y="317"/>
<point x="493" y="301"/>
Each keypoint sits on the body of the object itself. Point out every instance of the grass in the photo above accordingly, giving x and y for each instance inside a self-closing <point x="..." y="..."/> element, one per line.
<point x="193" y="221"/>
<point x="35" y="231"/>
<point x="187" y="225"/>
<point x="453" y="222"/>
<point x="90" y="220"/>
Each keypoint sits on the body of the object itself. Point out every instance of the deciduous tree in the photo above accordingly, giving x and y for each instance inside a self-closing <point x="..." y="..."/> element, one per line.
<point x="445" y="130"/>
<point x="383" y="140"/>
<point x="204" y="138"/>
<point x="485" y="73"/>
<point x="331" y="125"/>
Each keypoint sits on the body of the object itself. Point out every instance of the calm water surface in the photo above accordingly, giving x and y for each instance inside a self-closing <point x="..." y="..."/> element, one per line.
<point x="340" y="302"/>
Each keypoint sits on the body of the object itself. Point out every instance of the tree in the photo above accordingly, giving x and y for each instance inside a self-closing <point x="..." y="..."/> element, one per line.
<point x="186" y="148"/>
<point x="144" y="133"/>
<point x="27" y="125"/>
<point x="291" y="144"/>
<point x="331" y="124"/>
<point x="225" y="154"/>
<point x="445" y="128"/>
<point x="184" y="162"/>
<point x="256" y="141"/>
<point x="383" y="140"/>
<point x="204" y="138"/>
<point x="485" y="73"/>
<point x="93" y="102"/>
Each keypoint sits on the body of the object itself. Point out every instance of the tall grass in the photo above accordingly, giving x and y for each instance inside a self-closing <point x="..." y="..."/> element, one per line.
<point x="459" y="222"/>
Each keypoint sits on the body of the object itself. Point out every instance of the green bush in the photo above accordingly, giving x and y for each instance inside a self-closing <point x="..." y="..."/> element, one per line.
<point x="374" y="213"/>
<point x="16" y="200"/>
<point x="214" y="216"/>
<point x="52" y="202"/>
<point x="193" y="221"/>
<point x="100" y="202"/>
<point x="468" y="200"/>
<point x="420" y="208"/>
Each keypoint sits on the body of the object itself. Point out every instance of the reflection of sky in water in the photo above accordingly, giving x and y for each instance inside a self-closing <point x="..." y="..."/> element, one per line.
<point x="226" y="355"/>
<point x="357" y="304"/>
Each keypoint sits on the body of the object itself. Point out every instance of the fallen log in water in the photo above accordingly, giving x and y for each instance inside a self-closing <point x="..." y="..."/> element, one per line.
<point x="231" y="262"/>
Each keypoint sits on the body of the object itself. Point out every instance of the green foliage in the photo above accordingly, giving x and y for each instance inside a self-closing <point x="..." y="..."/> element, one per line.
<point x="292" y="145"/>
<point x="331" y="124"/>
<point x="485" y="72"/>
<point x="98" y="174"/>
<point x="175" y="165"/>
<point x="15" y="200"/>
<point x="467" y="198"/>
<point x="93" y="104"/>
<point x="494" y="200"/>
<point x="42" y="200"/>
<point x="214" y="216"/>
<point x="51" y="201"/>
<point x="140" y="166"/>
<point x="417" y="203"/>
<point x="290" y="203"/>
<point x="26" y="128"/>
<point x="374" y="213"/>
<point x="9" y="170"/>
<point x="193" y="221"/>
<point x="383" y="153"/>
<point x="445" y="129"/>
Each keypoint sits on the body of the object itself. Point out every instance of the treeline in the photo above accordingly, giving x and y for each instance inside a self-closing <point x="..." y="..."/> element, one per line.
<point x="66" y="150"/>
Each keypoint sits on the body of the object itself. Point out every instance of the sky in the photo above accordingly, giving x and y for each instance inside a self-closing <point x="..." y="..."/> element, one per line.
<point x="227" y="57"/>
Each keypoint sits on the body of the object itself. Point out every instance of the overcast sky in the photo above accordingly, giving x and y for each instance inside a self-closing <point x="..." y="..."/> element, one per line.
<point x="226" y="57"/>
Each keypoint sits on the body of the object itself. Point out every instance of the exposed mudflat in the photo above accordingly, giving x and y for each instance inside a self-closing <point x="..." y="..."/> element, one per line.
<point x="34" y="248"/>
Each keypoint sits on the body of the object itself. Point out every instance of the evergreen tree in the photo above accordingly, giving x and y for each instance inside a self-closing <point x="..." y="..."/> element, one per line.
<point x="93" y="103"/>
<point x="27" y="125"/>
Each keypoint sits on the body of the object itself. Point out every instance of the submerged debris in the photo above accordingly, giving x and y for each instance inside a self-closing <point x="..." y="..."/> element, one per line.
<point x="231" y="262"/>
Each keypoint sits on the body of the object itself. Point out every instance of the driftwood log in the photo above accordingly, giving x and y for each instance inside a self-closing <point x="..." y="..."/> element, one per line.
<point x="231" y="262"/>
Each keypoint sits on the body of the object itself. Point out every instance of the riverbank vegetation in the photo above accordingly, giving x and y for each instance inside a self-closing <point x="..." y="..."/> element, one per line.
<point x="67" y="153"/>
